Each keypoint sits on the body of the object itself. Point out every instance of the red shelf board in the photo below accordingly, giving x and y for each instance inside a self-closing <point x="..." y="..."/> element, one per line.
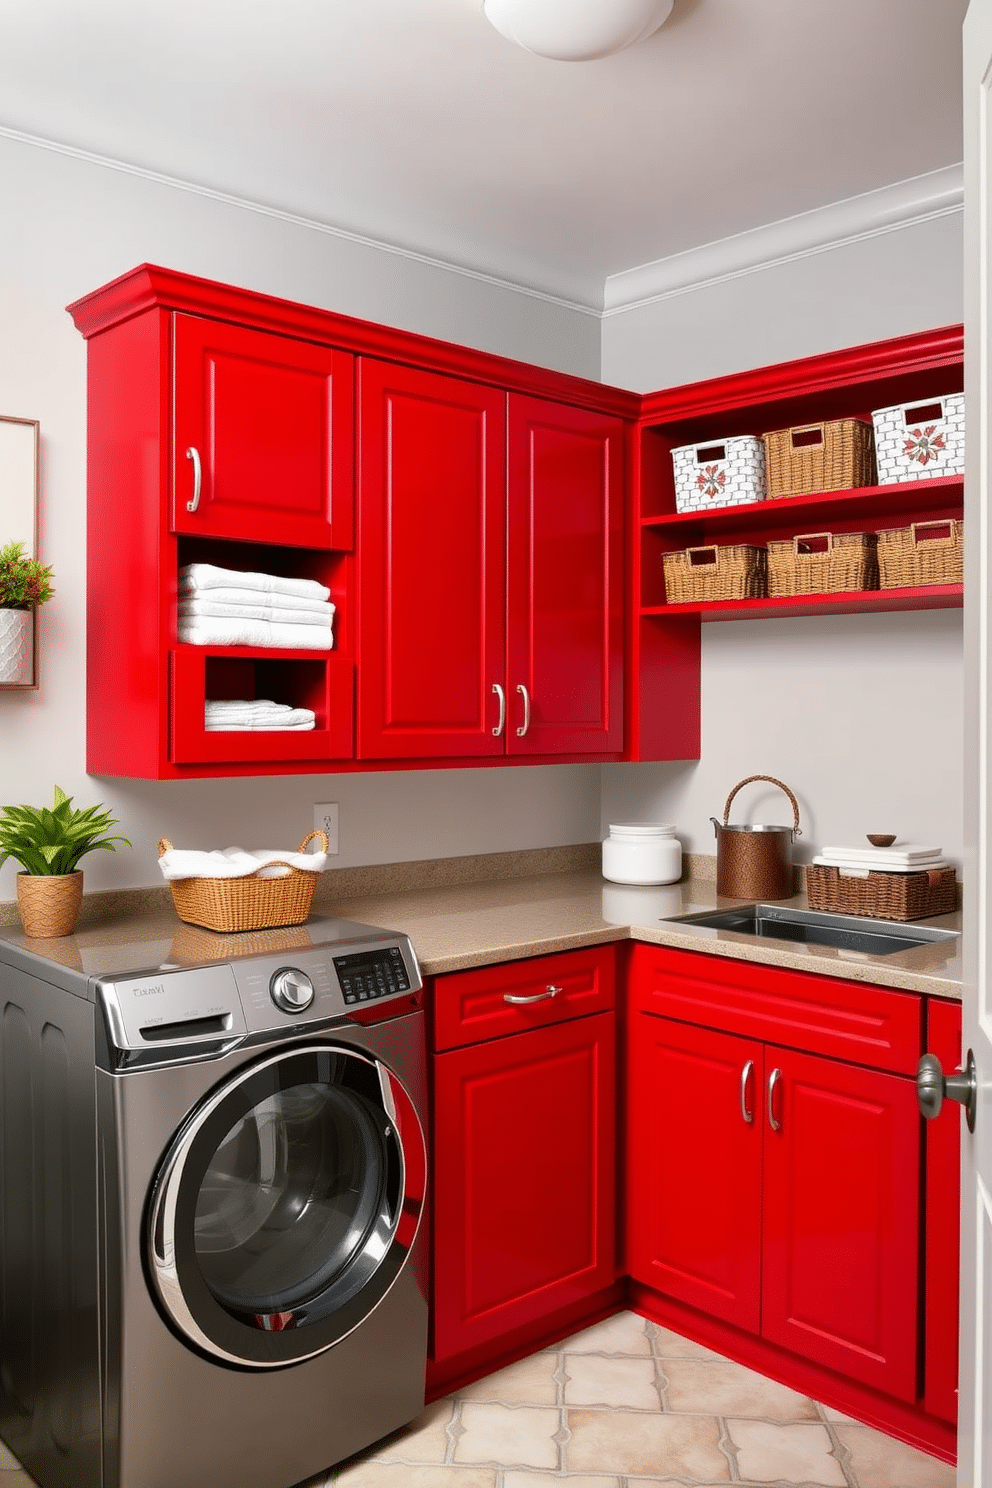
<point x="823" y="505"/>
<point x="931" y="597"/>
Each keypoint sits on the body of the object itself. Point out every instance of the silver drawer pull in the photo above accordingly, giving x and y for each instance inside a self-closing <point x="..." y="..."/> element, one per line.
<point x="746" y="1074"/>
<point x="194" y="454"/>
<point x="550" y="991"/>
<point x="521" y="731"/>
<point x="773" y="1080"/>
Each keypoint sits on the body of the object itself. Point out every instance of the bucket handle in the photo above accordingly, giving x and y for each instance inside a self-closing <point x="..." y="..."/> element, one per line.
<point x="796" y="832"/>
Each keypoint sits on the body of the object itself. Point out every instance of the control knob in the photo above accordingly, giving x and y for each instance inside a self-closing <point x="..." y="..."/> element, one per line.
<point x="291" y="990"/>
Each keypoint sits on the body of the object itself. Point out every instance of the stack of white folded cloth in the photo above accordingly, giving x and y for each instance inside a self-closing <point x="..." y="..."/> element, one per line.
<point x="858" y="862"/>
<point x="236" y="715"/>
<point x="235" y="862"/>
<point x="224" y="607"/>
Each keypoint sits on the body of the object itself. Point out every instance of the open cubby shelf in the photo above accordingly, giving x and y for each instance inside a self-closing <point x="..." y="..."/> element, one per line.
<point x="864" y="506"/>
<point x="926" y="597"/>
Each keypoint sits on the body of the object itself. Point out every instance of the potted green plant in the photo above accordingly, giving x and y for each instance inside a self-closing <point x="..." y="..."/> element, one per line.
<point x="48" y="844"/>
<point x="25" y="583"/>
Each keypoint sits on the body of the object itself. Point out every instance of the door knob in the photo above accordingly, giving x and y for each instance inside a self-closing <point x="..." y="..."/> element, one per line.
<point x="933" y="1087"/>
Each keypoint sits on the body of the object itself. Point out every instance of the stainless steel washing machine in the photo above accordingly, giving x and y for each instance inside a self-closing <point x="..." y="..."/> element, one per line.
<point x="212" y="1186"/>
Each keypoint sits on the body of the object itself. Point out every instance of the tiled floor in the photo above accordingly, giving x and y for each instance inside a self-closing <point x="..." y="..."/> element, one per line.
<point x="626" y="1404"/>
<point x="623" y="1405"/>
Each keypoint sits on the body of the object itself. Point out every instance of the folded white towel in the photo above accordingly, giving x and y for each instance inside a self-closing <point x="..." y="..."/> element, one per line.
<point x="856" y="868"/>
<point x="234" y="716"/>
<point x="235" y="862"/>
<point x="210" y="630"/>
<point x="191" y="607"/>
<point x="259" y="728"/>
<point x="222" y="595"/>
<point x="201" y="576"/>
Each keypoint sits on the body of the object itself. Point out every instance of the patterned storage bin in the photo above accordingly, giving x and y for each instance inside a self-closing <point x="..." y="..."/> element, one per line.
<point x="725" y="472"/>
<point x="918" y="441"/>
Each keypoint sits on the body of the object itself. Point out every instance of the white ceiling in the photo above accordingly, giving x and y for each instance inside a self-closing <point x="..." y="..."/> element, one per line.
<point x="414" y="123"/>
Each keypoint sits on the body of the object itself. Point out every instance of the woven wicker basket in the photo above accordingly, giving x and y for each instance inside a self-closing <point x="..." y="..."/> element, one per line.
<point x="924" y="553"/>
<point x="823" y="563"/>
<point x="820" y="457"/>
<point x="249" y="903"/>
<point x="733" y="572"/>
<point x="882" y="896"/>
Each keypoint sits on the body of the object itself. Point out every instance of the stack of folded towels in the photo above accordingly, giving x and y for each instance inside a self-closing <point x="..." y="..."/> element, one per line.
<point x="858" y="862"/>
<point x="236" y="715"/>
<point x="224" y="607"/>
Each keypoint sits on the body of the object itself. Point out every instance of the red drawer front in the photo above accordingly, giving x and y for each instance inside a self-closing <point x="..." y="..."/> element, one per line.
<point x="853" y="1021"/>
<point x="471" y="1006"/>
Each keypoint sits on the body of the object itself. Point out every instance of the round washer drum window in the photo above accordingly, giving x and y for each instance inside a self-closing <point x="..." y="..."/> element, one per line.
<point x="275" y="1223"/>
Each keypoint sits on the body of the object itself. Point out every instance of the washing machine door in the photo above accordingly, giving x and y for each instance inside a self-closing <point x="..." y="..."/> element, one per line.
<point x="287" y="1206"/>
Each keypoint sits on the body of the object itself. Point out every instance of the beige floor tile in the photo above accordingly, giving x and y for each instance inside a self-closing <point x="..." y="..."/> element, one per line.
<point x="645" y="1444"/>
<point x="880" y="1462"/>
<point x="722" y="1388"/>
<point x="673" y="1346"/>
<point x="516" y="1436"/>
<point x="626" y="1333"/>
<point x="15" y="1478"/>
<point x="530" y="1382"/>
<point x="424" y="1440"/>
<point x="554" y="1480"/>
<point x="8" y="1462"/>
<point x="615" y="1381"/>
<point x="407" y="1475"/>
<point x="799" y="1453"/>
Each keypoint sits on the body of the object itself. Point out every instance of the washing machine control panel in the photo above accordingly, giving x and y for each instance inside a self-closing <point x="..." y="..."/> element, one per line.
<point x="324" y="970"/>
<point x="364" y="976"/>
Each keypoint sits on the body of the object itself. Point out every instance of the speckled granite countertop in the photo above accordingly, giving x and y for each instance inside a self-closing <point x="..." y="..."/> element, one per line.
<point x="454" y="925"/>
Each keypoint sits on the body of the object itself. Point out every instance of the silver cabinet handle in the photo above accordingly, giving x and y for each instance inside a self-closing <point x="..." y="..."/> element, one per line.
<point x="773" y="1080"/>
<point x="550" y="991"/>
<point x="194" y="454"/>
<point x="746" y="1074"/>
<point x="933" y="1087"/>
<point x="526" y="697"/>
<point x="502" y="709"/>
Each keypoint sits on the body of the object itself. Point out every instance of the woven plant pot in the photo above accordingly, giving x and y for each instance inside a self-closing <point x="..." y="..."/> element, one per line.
<point x="16" y="646"/>
<point x="49" y="903"/>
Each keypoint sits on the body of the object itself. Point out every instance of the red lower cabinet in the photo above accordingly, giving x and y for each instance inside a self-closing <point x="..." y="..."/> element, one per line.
<point x="694" y="1166"/>
<point x="841" y="1218"/>
<point x="775" y="1189"/>
<point x="524" y="1146"/>
<point x="943" y="1224"/>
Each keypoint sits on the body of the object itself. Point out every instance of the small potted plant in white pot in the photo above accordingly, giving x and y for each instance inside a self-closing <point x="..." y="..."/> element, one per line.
<point x="48" y="844"/>
<point x="25" y="583"/>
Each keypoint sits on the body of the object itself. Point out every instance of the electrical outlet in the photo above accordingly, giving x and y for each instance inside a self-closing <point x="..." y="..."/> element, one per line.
<point x="325" y="819"/>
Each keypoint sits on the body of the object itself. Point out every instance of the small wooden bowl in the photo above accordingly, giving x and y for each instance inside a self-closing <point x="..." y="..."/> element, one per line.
<point x="881" y="839"/>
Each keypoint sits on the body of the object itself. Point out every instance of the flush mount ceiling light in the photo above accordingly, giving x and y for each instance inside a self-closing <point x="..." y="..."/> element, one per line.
<point x="576" y="30"/>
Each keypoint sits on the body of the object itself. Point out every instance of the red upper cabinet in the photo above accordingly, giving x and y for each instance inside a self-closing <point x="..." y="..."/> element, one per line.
<point x="432" y="554"/>
<point x="564" y="677"/>
<point x="262" y="436"/>
<point x="490" y="611"/>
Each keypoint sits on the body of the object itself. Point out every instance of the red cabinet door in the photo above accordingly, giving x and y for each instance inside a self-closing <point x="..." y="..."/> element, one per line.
<point x="943" y="1225"/>
<point x="565" y="618"/>
<point x="841" y="1218"/>
<point x="694" y="1157"/>
<point x="432" y="492"/>
<point x="262" y="442"/>
<point x="524" y="1169"/>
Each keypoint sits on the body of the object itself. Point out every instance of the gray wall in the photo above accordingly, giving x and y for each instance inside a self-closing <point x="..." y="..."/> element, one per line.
<point x="860" y="714"/>
<point x="79" y="224"/>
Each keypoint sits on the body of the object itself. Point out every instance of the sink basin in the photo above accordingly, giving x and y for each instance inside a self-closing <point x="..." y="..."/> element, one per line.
<point x="846" y="932"/>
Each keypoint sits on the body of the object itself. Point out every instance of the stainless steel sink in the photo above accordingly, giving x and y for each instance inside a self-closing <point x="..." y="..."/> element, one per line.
<point x="847" y="932"/>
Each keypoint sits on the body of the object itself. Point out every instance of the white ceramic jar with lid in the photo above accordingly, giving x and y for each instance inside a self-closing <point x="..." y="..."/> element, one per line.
<point x="642" y="853"/>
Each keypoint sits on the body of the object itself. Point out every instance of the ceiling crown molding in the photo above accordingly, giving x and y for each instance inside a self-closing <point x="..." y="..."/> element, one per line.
<point x="920" y="199"/>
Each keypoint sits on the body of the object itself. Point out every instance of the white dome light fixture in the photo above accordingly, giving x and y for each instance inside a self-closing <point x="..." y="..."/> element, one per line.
<point x="576" y="30"/>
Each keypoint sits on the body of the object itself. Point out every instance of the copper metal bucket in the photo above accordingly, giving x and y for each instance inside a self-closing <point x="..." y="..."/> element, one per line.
<point x="755" y="862"/>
